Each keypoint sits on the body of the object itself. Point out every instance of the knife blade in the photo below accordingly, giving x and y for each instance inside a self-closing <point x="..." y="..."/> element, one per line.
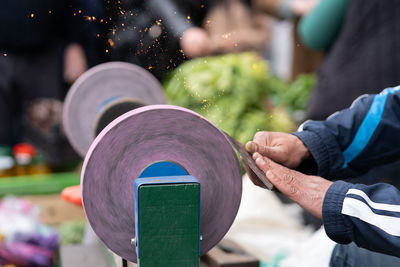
<point x="249" y="161"/>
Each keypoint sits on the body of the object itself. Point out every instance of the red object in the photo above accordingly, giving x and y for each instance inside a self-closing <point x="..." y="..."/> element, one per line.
<point x="24" y="148"/>
<point x="72" y="194"/>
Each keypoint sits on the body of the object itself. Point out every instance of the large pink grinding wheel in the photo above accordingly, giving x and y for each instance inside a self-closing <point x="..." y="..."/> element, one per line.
<point x="98" y="85"/>
<point x="150" y="134"/>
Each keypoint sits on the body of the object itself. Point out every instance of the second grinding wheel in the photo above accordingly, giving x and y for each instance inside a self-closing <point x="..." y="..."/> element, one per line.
<point x="96" y="89"/>
<point x="151" y="134"/>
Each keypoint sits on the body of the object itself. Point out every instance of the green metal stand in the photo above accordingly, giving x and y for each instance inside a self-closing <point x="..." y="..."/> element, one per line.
<point x="167" y="219"/>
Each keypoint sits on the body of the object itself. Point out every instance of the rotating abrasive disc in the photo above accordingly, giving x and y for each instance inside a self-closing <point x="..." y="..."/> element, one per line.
<point x="150" y="134"/>
<point x="98" y="87"/>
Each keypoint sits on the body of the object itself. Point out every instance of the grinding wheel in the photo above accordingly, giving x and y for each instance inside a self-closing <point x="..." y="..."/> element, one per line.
<point x="95" y="89"/>
<point x="150" y="134"/>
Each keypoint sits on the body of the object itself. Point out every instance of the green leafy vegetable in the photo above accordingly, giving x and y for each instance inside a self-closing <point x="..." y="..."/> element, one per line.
<point x="237" y="93"/>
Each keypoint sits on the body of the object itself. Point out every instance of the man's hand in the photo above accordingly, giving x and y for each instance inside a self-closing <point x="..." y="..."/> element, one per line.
<point x="307" y="191"/>
<point x="195" y="42"/>
<point x="75" y="62"/>
<point x="283" y="148"/>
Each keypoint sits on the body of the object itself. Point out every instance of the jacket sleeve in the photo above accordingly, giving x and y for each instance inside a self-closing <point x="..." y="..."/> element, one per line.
<point x="354" y="140"/>
<point x="366" y="215"/>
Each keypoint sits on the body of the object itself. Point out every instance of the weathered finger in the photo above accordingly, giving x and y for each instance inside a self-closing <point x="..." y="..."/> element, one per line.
<point x="272" y="164"/>
<point x="269" y="166"/>
<point x="256" y="155"/>
<point x="284" y="179"/>
<point x="272" y="175"/>
<point x="263" y="163"/>
<point x="274" y="153"/>
<point x="251" y="147"/>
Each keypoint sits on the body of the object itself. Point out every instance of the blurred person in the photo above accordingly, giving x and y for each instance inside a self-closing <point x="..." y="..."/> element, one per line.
<point x="360" y="42"/>
<point x="149" y="33"/>
<point x="161" y="34"/>
<point x="235" y="26"/>
<point x="41" y="44"/>
<point x="304" y="60"/>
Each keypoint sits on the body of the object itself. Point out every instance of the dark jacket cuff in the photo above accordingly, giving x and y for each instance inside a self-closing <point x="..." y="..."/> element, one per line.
<point x="333" y="219"/>
<point x="317" y="149"/>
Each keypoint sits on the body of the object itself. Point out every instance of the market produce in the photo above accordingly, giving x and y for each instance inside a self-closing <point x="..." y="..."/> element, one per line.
<point x="293" y="96"/>
<point x="237" y="93"/>
<point x="25" y="240"/>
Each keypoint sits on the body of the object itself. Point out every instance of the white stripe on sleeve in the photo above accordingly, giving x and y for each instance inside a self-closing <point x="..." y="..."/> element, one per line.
<point x="374" y="205"/>
<point x="356" y="208"/>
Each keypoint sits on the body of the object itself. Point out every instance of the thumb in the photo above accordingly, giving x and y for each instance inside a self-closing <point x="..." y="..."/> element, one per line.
<point x="274" y="153"/>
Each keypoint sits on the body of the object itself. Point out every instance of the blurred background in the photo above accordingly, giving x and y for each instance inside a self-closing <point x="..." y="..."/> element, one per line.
<point x="246" y="65"/>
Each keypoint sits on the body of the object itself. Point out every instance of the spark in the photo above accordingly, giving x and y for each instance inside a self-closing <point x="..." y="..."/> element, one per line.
<point x="50" y="11"/>
<point x="5" y="54"/>
<point x="188" y="17"/>
<point x="106" y="50"/>
<point x="32" y="15"/>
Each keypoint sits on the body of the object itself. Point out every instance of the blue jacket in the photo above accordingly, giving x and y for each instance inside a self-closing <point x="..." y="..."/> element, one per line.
<point x="349" y="143"/>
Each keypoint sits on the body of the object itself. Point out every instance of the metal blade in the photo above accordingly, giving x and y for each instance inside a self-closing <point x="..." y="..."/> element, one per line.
<point x="249" y="161"/>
